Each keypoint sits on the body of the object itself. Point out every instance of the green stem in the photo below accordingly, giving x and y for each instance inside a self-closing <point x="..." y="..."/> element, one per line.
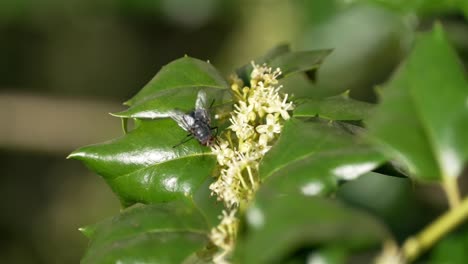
<point x="451" y="190"/>
<point x="416" y="245"/>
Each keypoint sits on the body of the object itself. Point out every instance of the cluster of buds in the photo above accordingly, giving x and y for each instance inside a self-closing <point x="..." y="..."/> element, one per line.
<point x="256" y="123"/>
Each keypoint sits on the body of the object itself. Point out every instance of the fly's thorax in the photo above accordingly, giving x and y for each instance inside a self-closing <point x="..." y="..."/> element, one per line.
<point x="202" y="115"/>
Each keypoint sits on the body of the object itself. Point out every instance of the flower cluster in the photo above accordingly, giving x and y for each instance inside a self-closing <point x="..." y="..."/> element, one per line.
<point x="224" y="235"/>
<point x="256" y="122"/>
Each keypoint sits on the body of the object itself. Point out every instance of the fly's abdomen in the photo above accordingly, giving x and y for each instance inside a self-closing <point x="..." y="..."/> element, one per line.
<point x="202" y="132"/>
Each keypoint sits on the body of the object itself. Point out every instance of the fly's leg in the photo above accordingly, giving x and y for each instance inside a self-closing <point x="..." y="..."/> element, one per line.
<point x="212" y="103"/>
<point x="216" y="141"/>
<point x="216" y="133"/>
<point x="186" y="139"/>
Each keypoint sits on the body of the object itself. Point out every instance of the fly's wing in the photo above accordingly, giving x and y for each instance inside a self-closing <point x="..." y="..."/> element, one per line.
<point x="201" y="103"/>
<point x="201" y="112"/>
<point x="185" y="121"/>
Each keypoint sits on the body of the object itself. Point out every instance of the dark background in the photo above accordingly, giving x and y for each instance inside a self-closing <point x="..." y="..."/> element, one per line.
<point x="65" y="64"/>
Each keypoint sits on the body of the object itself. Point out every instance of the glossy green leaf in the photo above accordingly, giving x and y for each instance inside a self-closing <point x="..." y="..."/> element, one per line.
<point x="280" y="225"/>
<point x="289" y="62"/>
<point x="423" y="117"/>
<point x="310" y="157"/>
<point x="207" y="203"/>
<point x="334" y="108"/>
<point x="161" y="233"/>
<point x="299" y="61"/>
<point x="181" y="73"/>
<point x="244" y="71"/>
<point x="143" y="166"/>
<point x="161" y="104"/>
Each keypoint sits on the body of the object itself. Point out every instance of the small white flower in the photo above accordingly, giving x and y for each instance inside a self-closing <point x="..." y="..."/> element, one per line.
<point x="262" y="145"/>
<point x="270" y="128"/>
<point x="227" y="226"/>
<point x="245" y="146"/>
<point x="223" y="153"/>
<point x="256" y="121"/>
<point x="244" y="111"/>
<point x="243" y="129"/>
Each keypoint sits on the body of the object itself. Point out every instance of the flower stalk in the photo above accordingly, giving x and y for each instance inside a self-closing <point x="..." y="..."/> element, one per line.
<point x="416" y="245"/>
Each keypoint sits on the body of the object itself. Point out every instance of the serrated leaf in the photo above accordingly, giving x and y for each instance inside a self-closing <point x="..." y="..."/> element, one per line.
<point x="181" y="73"/>
<point x="310" y="157"/>
<point x="244" y="71"/>
<point x="143" y="166"/>
<point x="299" y="61"/>
<point x="163" y="103"/>
<point x="161" y="233"/>
<point x="334" y="108"/>
<point x="281" y="225"/>
<point x="423" y="117"/>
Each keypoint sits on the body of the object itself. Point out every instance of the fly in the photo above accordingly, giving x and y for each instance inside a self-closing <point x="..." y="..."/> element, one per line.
<point x="196" y="122"/>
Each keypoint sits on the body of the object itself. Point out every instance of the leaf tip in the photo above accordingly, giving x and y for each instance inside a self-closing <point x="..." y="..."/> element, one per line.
<point x="129" y="102"/>
<point x="345" y="94"/>
<point x="77" y="154"/>
<point x="118" y="114"/>
<point x="87" y="231"/>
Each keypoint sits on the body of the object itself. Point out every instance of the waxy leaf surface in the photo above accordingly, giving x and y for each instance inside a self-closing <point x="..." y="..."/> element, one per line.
<point x="310" y="157"/>
<point x="289" y="62"/>
<point x="143" y="166"/>
<point x="279" y="225"/>
<point x="299" y="61"/>
<point x="244" y="71"/>
<point x="423" y="117"/>
<point x="182" y="73"/>
<point x="163" y="103"/>
<point x="161" y="233"/>
<point x="334" y="108"/>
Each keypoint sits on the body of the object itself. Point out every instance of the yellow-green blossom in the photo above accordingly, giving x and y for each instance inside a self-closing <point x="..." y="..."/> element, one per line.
<point x="256" y="122"/>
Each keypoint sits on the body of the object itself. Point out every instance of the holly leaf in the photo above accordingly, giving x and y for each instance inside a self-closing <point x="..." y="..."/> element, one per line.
<point x="163" y="103"/>
<point x="182" y="73"/>
<point x="334" y="108"/>
<point x="244" y="71"/>
<point x="311" y="157"/>
<point x="423" y="118"/>
<point x="299" y="61"/>
<point x="159" y="233"/>
<point x="289" y="62"/>
<point x="143" y="166"/>
<point x="277" y="226"/>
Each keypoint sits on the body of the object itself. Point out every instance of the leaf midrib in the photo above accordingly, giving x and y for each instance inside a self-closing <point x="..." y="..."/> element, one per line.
<point x="153" y="231"/>
<point x="162" y="162"/>
<point x="425" y="129"/>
